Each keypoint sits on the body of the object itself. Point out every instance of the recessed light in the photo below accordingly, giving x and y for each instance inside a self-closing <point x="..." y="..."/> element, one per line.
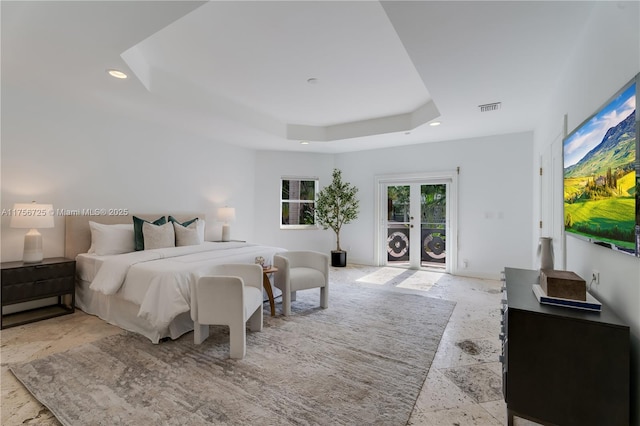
<point x="434" y="123"/>
<point x="312" y="80"/>
<point x="117" y="74"/>
<point x="304" y="142"/>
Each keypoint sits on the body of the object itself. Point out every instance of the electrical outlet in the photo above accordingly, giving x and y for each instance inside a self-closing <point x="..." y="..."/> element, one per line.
<point x="595" y="277"/>
<point x="465" y="263"/>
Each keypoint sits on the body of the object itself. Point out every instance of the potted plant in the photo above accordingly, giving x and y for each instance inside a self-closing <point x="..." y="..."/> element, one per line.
<point x="337" y="205"/>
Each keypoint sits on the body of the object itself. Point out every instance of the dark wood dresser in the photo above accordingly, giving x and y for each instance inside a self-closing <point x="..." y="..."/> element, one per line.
<point x="562" y="366"/>
<point x="24" y="282"/>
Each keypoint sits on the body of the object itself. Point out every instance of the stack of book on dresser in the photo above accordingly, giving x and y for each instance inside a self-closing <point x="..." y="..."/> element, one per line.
<point x="564" y="288"/>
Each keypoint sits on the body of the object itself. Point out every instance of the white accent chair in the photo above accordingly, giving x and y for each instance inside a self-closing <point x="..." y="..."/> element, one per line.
<point x="301" y="270"/>
<point x="231" y="296"/>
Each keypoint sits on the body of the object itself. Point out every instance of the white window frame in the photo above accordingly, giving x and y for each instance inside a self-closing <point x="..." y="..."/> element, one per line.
<point x="316" y="181"/>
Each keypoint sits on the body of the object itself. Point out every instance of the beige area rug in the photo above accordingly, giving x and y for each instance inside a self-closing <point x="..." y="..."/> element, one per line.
<point x="362" y="361"/>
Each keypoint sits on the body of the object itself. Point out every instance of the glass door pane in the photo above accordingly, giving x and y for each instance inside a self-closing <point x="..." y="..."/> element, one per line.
<point x="433" y="225"/>
<point x="398" y="224"/>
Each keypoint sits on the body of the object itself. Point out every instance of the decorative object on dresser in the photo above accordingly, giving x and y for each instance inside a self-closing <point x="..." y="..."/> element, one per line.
<point x="226" y="215"/>
<point x="591" y="304"/>
<point x="564" y="284"/>
<point x="562" y="366"/>
<point x="301" y="270"/>
<point x="32" y="216"/>
<point x="545" y="248"/>
<point x="26" y="282"/>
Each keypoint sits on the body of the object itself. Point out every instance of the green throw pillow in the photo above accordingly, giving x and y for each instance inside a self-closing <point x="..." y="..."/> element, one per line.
<point x="185" y="224"/>
<point x="137" y="229"/>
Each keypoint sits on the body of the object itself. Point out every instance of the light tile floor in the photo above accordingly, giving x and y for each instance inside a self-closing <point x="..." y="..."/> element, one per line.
<point x="463" y="386"/>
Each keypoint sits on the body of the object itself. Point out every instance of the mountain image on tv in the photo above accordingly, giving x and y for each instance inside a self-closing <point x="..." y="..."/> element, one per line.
<point x="600" y="185"/>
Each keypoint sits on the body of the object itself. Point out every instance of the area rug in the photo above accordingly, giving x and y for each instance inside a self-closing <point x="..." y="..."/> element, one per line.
<point x="361" y="361"/>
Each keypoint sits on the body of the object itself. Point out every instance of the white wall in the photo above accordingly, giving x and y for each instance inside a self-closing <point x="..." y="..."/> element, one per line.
<point x="607" y="57"/>
<point x="79" y="156"/>
<point x="270" y="167"/>
<point x="494" y="201"/>
<point x="493" y="229"/>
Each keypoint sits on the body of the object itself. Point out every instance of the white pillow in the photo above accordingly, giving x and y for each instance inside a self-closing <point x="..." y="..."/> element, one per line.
<point x="200" y="229"/>
<point x="158" y="236"/>
<point x="111" y="239"/>
<point x="187" y="236"/>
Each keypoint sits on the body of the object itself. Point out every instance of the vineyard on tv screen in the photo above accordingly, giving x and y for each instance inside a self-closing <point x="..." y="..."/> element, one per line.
<point x="601" y="200"/>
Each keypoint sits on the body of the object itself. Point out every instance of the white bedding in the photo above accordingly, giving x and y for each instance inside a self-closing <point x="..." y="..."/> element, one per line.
<point x="158" y="280"/>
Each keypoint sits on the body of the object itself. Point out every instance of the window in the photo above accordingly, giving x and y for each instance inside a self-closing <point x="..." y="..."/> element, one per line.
<point x="298" y="203"/>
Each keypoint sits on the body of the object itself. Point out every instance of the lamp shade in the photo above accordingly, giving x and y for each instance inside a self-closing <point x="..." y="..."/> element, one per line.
<point x="32" y="216"/>
<point x="226" y="214"/>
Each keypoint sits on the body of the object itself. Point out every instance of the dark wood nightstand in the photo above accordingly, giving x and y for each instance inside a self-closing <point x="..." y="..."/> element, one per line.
<point x="23" y="282"/>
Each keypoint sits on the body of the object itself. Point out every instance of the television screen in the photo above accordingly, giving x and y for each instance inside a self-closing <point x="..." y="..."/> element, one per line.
<point x="601" y="179"/>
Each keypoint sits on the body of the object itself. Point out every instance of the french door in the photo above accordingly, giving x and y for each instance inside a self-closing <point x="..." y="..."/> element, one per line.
<point x="415" y="226"/>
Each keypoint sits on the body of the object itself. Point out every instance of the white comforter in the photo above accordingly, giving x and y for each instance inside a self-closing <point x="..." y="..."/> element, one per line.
<point x="158" y="280"/>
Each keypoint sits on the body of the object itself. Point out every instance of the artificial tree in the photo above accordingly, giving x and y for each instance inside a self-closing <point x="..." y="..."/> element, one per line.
<point x="337" y="205"/>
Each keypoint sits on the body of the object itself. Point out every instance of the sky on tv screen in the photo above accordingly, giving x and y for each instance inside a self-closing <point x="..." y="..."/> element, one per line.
<point x="592" y="132"/>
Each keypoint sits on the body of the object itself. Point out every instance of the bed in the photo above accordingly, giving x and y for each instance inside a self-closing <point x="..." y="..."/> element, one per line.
<point x="146" y="291"/>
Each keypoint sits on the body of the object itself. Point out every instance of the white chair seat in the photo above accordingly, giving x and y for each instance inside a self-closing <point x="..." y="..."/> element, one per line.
<point x="305" y="278"/>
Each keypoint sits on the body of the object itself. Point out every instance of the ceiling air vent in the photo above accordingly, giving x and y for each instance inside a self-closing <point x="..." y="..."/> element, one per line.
<point x="490" y="107"/>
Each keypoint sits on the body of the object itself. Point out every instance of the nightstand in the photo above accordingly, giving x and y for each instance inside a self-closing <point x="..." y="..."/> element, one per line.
<point x="24" y="282"/>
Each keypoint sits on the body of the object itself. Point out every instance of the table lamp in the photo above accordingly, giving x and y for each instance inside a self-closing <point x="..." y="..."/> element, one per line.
<point x="226" y="215"/>
<point x="32" y="216"/>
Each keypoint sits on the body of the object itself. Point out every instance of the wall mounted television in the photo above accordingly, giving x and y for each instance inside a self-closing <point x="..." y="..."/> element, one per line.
<point x="602" y="174"/>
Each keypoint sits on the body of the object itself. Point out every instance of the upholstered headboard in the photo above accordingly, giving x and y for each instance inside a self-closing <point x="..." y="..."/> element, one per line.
<point x="77" y="237"/>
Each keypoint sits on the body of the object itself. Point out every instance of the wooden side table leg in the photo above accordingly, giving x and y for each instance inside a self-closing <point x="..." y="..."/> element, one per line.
<point x="266" y="283"/>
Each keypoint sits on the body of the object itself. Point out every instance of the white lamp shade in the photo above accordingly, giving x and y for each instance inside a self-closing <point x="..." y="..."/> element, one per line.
<point x="32" y="216"/>
<point x="226" y="214"/>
